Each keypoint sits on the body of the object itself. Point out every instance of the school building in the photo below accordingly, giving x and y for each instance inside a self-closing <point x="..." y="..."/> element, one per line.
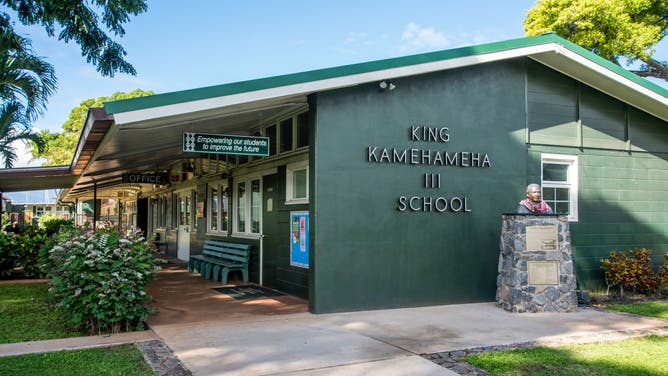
<point x="382" y="184"/>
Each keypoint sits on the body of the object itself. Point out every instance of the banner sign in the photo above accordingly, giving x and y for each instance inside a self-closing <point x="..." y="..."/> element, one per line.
<point x="299" y="239"/>
<point x="225" y="144"/>
<point x="146" y="178"/>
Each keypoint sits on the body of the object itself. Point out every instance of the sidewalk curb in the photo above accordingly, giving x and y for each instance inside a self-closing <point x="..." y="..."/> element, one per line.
<point x="75" y="343"/>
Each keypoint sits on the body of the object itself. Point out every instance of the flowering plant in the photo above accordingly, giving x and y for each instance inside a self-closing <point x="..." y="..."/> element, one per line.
<point x="7" y="247"/>
<point x="99" y="279"/>
<point x="542" y="207"/>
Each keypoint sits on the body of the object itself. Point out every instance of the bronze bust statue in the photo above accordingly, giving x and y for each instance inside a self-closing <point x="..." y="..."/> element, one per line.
<point x="533" y="203"/>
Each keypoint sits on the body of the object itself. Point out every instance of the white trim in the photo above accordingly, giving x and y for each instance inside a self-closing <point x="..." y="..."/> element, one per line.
<point x="289" y="188"/>
<point x="610" y="74"/>
<point x="220" y="186"/>
<point x="327" y="84"/>
<point x="247" y="180"/>
<point x="573" y="172"/>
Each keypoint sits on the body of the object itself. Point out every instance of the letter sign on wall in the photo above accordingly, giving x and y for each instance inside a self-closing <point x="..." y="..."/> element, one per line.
<point x="146" y="178"/>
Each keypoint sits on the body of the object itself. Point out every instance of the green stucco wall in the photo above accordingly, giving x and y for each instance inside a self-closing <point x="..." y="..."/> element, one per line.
<point x="623" y="167"/>
<point x="366" y="253"/>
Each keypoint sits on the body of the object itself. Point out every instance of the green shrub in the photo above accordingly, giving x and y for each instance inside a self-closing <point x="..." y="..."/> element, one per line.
<point x="663" y="273"/>
<point x="632" y="271"/>
<point x="28" y="245"/>
<point x="100" y="278"/>
<point x="7" y="247"/>
<point x="7" y="253"/>
<point x="51" y="223"/>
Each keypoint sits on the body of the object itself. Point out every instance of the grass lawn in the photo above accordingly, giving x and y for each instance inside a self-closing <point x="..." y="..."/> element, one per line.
<point x="639" y="356"/>
<point x="25" y="316"/>
<point x="653" y="309"/>
<point x="123" y="360"/>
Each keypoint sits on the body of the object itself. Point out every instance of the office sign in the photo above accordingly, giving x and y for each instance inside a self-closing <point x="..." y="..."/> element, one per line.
<point x="225" y="144"/>
<point x="146" y="178"/>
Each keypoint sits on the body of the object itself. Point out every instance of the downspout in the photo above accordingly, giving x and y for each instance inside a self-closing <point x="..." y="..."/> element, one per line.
<point x="95" y="213"/>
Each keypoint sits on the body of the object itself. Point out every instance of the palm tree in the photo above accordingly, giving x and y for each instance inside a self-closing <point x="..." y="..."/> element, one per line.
<point x="14" y="128"/>
<point x="26" y="82"/>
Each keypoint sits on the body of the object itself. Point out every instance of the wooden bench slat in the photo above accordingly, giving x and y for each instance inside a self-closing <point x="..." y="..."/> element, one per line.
<point x="221" y="257"/>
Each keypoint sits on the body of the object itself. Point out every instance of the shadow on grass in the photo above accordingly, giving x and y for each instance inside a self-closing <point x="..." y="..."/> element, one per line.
<point x="641" y="356"/>
<point x="25" y="315"/>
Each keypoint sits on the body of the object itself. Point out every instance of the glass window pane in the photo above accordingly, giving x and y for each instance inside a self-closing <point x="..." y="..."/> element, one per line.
<point x="555" y="172"/>
<point x="224" y="210"/>
<point x="286" y="135"/>
<point x="271" y="133"/>
<point x="188" y="204"/>
<point x="299" y="184"/>
<point x="561" y="207"/>
<point x="182" y="210"/>
<point x="548" y="194"/>
<point x="302" y="129"/>
<point x="255" y="206"/>
<point x="241" y="207"/>
<point x="213" y="216"/>
<point x="562" y="194"/>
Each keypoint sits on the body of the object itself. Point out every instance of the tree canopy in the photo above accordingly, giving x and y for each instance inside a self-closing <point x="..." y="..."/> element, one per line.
<point x="59" y="148"/>
<point x="26" y="82"/>
<point x="609" y="28"/>
<point x="79" y="21"/>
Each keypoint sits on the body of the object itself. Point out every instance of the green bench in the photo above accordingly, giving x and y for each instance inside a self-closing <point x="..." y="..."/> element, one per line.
<point x="219" y="259"/>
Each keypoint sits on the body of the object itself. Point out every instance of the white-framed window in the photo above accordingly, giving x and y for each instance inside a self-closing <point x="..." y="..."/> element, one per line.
<point x="248" y="206"/>
<point x="218" y="208"/>
<point x="559" y="179"/>
<point x="296" y="183"/>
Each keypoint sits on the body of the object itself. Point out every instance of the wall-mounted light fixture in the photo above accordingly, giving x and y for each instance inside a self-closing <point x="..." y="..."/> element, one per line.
<point x="386" y="85"/>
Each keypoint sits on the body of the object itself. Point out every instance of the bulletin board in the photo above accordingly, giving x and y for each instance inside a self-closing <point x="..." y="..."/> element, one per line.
<point x="299" y="242"/>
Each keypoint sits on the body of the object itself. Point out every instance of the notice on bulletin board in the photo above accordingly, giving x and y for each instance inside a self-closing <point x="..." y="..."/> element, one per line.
<point x="299" y="239"/>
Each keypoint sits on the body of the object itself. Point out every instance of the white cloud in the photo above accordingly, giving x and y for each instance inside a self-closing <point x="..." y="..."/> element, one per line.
<point x="24" y="155"/>
<point x="416" y="37"/>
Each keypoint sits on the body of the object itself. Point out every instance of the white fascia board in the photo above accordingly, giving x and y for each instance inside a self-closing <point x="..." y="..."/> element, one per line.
<point x="611" y="75"/>
<point x="321" y="85"/>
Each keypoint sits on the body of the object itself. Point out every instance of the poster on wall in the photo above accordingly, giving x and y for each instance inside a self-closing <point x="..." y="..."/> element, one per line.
<point x="299" y="239"/>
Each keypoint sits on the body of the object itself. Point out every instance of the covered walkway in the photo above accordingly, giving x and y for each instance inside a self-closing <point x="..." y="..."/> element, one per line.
<point x="183" y="297"/>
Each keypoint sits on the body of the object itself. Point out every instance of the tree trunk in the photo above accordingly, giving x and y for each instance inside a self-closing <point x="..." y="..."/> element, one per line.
<point x="653" y="68"/>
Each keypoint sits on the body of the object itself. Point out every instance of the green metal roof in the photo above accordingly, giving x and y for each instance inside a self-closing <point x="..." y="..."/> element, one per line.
<point x="352" y="69"/>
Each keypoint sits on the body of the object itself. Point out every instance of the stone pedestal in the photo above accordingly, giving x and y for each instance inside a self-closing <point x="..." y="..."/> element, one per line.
<point x="536" y="265"/>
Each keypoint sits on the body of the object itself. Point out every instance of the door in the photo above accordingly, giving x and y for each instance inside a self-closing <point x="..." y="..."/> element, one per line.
<point x="184" y="208"/>
<point x="142" y="215"/>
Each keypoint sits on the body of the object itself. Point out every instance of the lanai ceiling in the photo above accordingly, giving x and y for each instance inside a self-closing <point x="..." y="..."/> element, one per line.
<point x="153" y="146"/>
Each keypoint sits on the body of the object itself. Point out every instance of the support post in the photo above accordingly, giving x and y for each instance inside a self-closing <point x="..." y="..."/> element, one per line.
<point x="95" y="213"/>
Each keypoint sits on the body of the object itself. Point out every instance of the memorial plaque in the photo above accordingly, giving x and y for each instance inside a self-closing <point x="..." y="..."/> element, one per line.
<point x="543" y="272"/>
<point x="541" y="238"/>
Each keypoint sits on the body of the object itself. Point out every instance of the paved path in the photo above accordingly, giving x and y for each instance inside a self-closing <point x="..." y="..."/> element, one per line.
<point x="386" y="342"/>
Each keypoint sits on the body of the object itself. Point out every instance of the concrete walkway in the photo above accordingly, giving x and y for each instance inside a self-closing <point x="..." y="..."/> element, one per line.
<point x="386" y="342"/>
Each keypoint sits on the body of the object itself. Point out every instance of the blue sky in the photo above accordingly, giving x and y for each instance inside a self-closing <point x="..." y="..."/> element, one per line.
<point x="179" y="45"/>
